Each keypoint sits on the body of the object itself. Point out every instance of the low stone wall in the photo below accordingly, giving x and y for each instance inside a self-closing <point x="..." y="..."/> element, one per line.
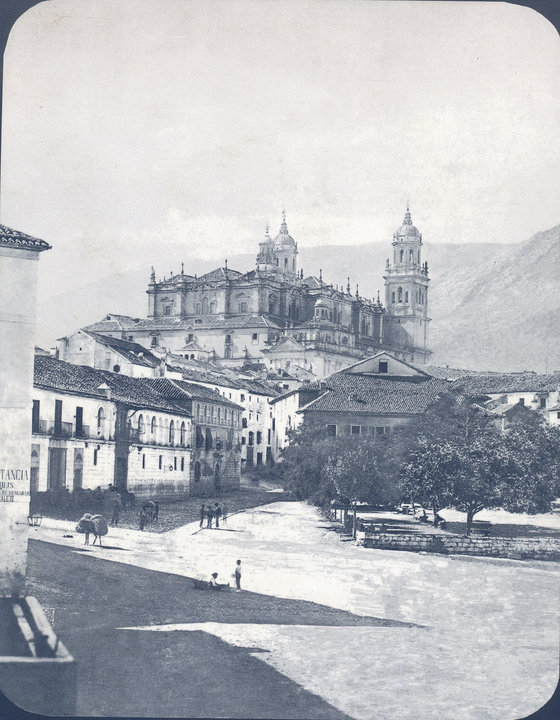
<point x="518" y="548"/>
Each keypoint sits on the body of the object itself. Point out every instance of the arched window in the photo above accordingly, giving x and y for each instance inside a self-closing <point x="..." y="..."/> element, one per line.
<point x="411" y="255"/>
<point x="271" y="304"/>
<point x="204" y="306"/>
<point x="406" y="297"/>
<point x="285" y="263"/>
<point x="153" y="426"/>
<point x="140" y="425"/>
<point x="251" y="438"/>
<point x="401" y="255"/>
<point x="100" y="421"/>
<point x="393" y="296"/>
<point x="400" y="294"/>
<point x="293" y="264"/>
<point x="183" y="434"/>
<point x="172" y="432"/>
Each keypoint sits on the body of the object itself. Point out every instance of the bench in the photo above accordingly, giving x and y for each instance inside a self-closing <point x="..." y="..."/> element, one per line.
<point x="482" y="526"/>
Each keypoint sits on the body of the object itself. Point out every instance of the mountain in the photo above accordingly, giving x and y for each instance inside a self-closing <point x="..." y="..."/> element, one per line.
<point x="493" y="306"/>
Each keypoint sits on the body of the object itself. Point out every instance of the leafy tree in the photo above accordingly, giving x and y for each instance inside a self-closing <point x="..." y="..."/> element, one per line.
<point x="535" y="477"/>
<point x="361" y="472"/>
<point x="429" y="473"/>
<point x="458" y="456"/>
<point x="346" y="468"/>
<point x="303" y="463"/>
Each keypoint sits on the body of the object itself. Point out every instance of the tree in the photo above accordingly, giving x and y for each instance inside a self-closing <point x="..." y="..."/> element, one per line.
<point x="535" y="477"/>
<point x="429" y="472"/>
<point x="347" y="468"/>
<point x="303" y="463"/>
<point x="458" y="456"/>
<point x="363" y="471"/>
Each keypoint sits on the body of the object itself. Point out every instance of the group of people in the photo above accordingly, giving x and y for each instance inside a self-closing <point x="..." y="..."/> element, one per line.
<point x="215" y="585"/>
<point x="209" y="513"/>
<point x="149" y="512"/>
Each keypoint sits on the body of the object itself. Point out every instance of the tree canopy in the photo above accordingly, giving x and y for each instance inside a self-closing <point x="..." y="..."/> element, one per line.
<point x="454" y="455"/>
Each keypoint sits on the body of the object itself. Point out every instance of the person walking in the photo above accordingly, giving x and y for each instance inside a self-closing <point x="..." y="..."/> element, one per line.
<point x="237" y="575"/>
<point x="117" y="504"/>
<point x="217" y="514"/>
<point x="209" y="516"/>
<point x="202" y="514"/>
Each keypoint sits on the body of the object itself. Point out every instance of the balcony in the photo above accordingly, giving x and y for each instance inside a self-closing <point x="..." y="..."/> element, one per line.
<point x="83" y="432"/>
<point x="45" y="427"/>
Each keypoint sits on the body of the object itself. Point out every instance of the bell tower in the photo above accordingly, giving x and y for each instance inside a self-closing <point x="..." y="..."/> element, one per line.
<point x="285" y="251"/>
<point x="406" y="293"/>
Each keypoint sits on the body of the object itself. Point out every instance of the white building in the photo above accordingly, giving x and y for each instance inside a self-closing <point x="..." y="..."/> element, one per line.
<point x="95" y="428"/>
<point x="109" y="353"/>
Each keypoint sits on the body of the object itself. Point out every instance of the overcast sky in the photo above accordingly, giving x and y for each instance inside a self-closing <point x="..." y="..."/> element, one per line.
<point x="132" y="125"/>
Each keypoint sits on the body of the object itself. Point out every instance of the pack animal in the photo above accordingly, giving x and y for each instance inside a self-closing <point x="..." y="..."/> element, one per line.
<point x="95" y="525"/>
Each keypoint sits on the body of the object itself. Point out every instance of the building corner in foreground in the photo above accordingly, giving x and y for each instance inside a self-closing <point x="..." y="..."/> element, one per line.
<point x="36" y="671"/>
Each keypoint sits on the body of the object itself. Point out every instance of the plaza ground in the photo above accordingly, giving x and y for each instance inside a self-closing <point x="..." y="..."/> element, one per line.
<point x="322" y="629"/>
<point x="176" y="513"/>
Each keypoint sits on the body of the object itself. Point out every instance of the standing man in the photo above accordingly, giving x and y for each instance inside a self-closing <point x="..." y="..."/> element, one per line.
<point x="224" y="513"/>
<point x="217" y="514"/>
<point x="117" y="504"/>
<point x="202" y="514"/>
<point x="237" y="575"/>
<point x="209" y="515"/>
<point x="156" y="511"/>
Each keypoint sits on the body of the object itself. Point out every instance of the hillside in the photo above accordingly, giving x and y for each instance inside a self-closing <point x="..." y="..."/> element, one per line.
<point x="493" y="306"/>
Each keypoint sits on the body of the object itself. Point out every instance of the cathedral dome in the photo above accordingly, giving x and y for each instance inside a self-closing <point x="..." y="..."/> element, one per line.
<point x="407" y="229"/>
<point x="284" y="238"/>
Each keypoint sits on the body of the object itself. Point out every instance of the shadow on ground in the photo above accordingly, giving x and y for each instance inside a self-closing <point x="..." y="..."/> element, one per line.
<point x="194" y="674"/>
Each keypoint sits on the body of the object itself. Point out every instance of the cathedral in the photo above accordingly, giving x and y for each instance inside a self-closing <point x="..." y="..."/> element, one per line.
<point x="275" y="316"/>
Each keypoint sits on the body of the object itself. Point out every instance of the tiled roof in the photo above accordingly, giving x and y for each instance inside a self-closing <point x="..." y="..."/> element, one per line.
<point x="447" y="373"/>
<point x="131" y="351"/>
<point x="113" y="323"/>
<point x="220" y="274"/>
<point x="180" y="391"/>
<point x="259" y="387"/>
<point x="205" y="322"/>
<point x="369" y="394"/>
<point x="16" y="239"/>
<point x="53" y="374"/>
<point x="478" y="385"/>
<point x="199" y="392"/>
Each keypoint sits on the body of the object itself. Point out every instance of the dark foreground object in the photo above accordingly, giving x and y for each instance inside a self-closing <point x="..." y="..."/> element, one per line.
<point x="37" y="673"/>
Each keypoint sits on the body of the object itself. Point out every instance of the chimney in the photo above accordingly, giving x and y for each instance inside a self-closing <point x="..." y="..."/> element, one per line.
<point x="106" y="390"/>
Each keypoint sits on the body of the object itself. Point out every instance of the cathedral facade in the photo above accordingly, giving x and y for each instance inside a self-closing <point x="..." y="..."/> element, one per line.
<point x="274" y="315"/>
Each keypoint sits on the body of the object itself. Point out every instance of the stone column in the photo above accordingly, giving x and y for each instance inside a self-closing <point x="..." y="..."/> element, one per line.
<point x="18" y="287"/>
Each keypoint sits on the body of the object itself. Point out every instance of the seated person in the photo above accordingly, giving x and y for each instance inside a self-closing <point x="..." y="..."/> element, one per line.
<point x="214" y="584"/>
